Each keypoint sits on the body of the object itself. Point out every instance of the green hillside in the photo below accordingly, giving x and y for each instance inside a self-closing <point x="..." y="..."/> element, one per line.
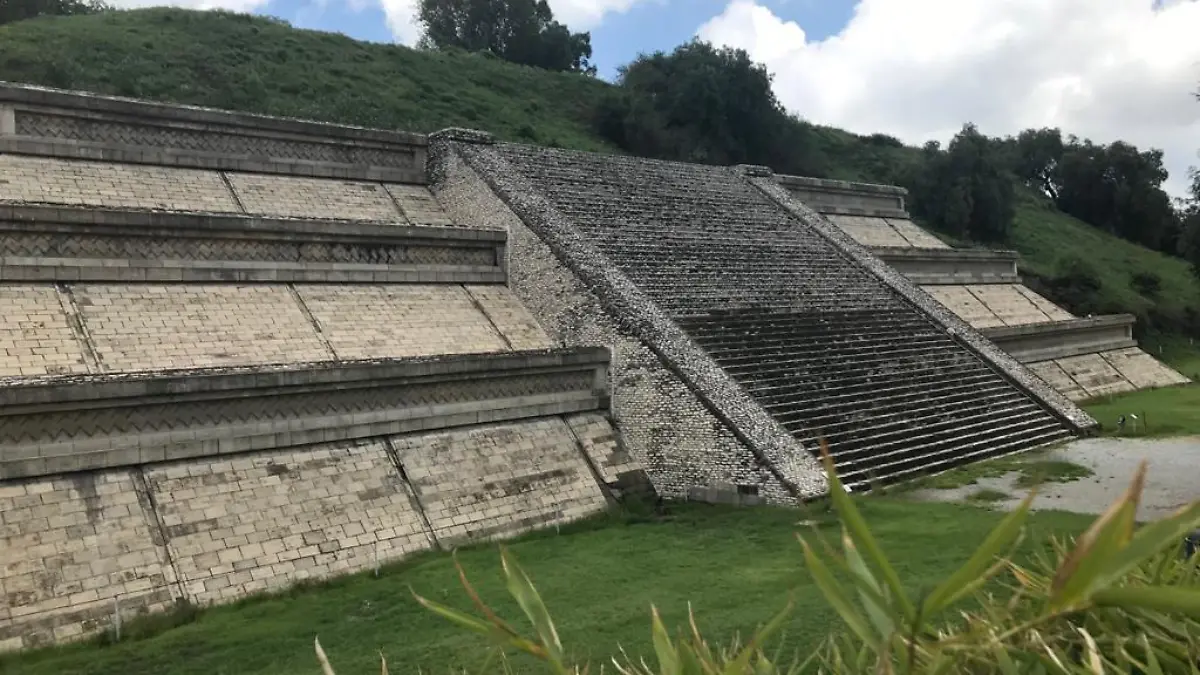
<point x="262" y="65"/>
<point x="256" y="64"/>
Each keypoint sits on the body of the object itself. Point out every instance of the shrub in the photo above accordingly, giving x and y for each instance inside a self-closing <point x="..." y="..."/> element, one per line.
<point x="1116" y="599"/>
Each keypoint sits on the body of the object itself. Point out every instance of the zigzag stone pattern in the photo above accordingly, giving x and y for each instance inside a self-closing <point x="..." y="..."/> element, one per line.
<point x="820" y="343"/>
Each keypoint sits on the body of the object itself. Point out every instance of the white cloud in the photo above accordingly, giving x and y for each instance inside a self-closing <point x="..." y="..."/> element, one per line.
<point x="579" y="15"/>
<point x="919" y="69"/>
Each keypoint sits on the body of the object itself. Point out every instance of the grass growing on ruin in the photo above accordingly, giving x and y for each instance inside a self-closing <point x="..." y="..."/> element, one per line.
<point x="599" y="579"/>
<point x="1031" y="472"/>
<point x="262" y="65"/>
<point x="1171" y="411"/>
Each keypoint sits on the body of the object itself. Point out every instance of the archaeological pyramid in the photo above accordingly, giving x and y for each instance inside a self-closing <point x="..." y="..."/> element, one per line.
<point x="745" y="327"/>
<point x="1082" y="357"/>
<point x="239" y="351"/>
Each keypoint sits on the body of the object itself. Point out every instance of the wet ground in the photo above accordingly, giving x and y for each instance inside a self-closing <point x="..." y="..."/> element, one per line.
<point x="1172" y="477"/>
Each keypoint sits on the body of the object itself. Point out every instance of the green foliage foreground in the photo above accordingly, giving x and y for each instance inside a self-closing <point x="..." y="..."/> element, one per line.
<point x="1115" y="599"/>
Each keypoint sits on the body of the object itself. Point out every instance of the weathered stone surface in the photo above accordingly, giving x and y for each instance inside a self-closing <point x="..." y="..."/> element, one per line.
<point x="419" y="205"/>
<point x="602" y="444"/>
<point x="161" y="326"/>
<point x="870" y="231"/>
<point x="497" y="481"/>
<point x="364" y="322"/>
<point x="69" y="547"/>
<point x="89" y="183"/>
<point x="779" y="308"/>
<point x="59" y="123"/>
<point x="35" y="334"/>
<point x="914" y="234"/>
<point x="263" y="521"/>
<point x="1141" y="369"/>
<point x="510" y="317"/>
<point x="295" y="197"/>
<point x="680" y="439"/>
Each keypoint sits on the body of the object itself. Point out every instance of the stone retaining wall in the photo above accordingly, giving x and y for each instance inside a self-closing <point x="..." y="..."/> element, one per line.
<point x="138" y="539"/>
<point x="57" y="123"/>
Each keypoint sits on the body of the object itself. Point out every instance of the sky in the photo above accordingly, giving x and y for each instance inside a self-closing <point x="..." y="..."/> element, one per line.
<point x="915" y="69"/>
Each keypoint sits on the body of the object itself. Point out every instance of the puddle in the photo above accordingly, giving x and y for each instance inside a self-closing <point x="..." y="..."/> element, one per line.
<point x="1172" y="477"/>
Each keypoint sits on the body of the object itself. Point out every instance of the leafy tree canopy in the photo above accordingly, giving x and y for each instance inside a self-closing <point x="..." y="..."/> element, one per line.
<point x="17" y="10"/>
<point x="521" y="31"/>
<point x="707" y="105"/>
<point x="965" y="190"/>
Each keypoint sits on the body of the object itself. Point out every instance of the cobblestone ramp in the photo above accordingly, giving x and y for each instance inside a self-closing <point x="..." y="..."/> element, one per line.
<point x="826" y="347"/>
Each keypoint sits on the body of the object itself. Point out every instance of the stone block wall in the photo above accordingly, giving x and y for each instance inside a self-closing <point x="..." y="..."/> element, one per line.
<point x="75" y="548"/>
<point x="80" y="182"/>
<point x="57" y="123"/>
<point x="48" y="329"/>
<point x="71" y="546"/>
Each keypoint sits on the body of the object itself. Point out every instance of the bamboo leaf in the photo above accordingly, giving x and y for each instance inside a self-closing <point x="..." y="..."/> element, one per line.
<point x="1096" y="547"/>
<point x="853" y="520"/>
<point x="971" y="574"/>
<point x="668" y="660"/>
<point x="868" y="589"/>
<point x="833" y="593"/>
<point x="1173" y="599"/>
<point x="465" y="620"/>
<point x="522" y="589"/>
<point x="1152" y="539"/>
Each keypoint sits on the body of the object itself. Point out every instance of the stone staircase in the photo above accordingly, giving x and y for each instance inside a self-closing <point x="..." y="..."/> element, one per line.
<point x="1082" y="357"/>
<point x="828" y="349"/>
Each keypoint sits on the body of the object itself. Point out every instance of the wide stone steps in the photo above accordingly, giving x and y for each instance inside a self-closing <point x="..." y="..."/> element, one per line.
<point x="921" y="386"/>
<point x="874" y="442"/>
<point x="935" y="461"/>
<point x="886" y="393"/>
<point x="825" y="346"/>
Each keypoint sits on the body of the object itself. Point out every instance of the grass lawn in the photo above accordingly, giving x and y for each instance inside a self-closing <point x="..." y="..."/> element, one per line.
<point x="598" y="581"/>
<point x="1172" y="411"/>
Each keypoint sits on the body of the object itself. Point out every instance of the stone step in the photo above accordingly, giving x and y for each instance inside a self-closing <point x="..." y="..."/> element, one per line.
<point x="810" y="371"/>
<point x="818" y="341"/>
<point x="887" y="408"/>
<point x="919" y="386"/>
<point x="870" y="448"/>
<point x="934" y="463"/>
<point x="852" y="359"/>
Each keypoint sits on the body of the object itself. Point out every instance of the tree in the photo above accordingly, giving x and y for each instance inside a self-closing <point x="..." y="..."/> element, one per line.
<point x="964" y="190"/>
<point x="17" y="10"/>
<point x="521" y="31"/>
<point x="1038" y="153"/>
<point x="707" y="105"/>
<point x="1190" y="223"/>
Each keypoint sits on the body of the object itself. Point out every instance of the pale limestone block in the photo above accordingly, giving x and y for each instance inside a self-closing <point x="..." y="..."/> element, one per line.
<point x="1008" y="303"/>
<point x="959" y="300"/>
<point x="104" y="184"/>
<point x="139" y="327"/>
<point x="1095" y="375"/>
<point x="35" y="335"/>
<point x="299" y="197"/>
<point x="307" y="516"/>
<point x="420" y="320"/>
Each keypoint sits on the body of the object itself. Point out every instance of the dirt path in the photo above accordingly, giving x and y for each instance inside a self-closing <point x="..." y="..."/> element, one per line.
<point x="1172" y="477"/>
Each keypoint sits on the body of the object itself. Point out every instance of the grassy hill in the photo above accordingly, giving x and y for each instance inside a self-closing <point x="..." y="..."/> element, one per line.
<point x="263" y="65"/>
